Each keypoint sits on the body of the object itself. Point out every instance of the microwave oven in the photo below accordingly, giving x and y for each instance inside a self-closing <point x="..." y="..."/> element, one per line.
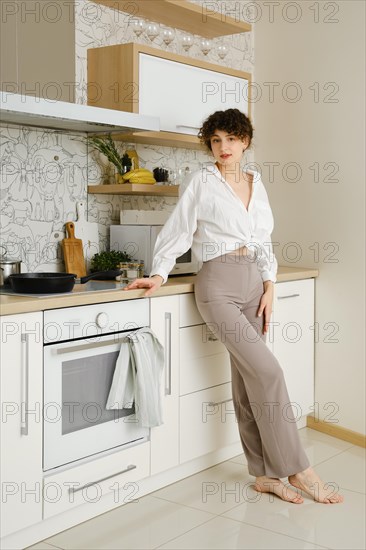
<point x="139" y="241"/>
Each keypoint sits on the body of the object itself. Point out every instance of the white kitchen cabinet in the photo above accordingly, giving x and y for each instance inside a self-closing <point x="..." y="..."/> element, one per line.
<point x="164" y="322"/>
<point x="118" y="473"/>
<point x="207" y="422"/>
<point x="189" y="94"/>
<point x="204" y="360"/>
<point x="293" y="321"/>
<point x="21" y="421"/>
<point x="207" y="418"/>
<point x="180" y="90"/>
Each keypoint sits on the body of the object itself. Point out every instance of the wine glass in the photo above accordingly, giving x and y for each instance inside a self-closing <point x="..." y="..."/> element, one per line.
<point x="152" y="31"/>
<point x="172" y="180"/>
<point x="222" y="51"/>
<point x="137" y="25"/>
<point x="205" y="46"/>
<point x="187" y="42"/>
<point x="168" y="36"/>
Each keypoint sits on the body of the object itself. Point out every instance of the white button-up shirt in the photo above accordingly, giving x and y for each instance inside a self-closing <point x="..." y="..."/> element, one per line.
<point x="212" y="220"/>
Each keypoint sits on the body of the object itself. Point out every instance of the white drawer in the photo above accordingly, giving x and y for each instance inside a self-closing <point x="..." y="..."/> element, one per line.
<point x="89" y="482"/>
<point x="294" y="293"/>
<point x="188" y="312"/>
<point x="204" y="360"/>
<point x="207" y="422"/>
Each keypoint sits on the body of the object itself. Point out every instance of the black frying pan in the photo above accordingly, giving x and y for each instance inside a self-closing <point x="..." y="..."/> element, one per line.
<point x="49" y="283"/>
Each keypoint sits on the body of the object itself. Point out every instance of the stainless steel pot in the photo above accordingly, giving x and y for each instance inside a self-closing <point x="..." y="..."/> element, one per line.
<point x="8" y="266"/>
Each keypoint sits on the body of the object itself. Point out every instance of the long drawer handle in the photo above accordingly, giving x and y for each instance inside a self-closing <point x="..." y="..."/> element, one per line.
<point x="128" y="469"/>
<point x="187" y="126"/>
<point x="25" y="385"/>
<point x="214" y="404"/>
<point x="168" y="353"/>
<point x="288" y="296"/>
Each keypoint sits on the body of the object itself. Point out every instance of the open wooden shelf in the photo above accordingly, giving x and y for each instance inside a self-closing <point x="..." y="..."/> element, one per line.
<point x="164" y="139"/>
<point x="135" y="189"/>
<point x="181" y="14"/>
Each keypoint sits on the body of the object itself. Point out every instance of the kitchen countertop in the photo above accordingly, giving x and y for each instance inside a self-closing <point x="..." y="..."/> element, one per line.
<point x="181" y="284"/>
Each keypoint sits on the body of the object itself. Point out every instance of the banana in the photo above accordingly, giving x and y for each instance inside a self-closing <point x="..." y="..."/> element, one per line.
<point x="142" y="180"/>
<point x="138" y="172"/>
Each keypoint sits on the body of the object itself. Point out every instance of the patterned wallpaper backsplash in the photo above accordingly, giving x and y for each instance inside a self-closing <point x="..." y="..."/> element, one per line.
<point x="44" y="173"/>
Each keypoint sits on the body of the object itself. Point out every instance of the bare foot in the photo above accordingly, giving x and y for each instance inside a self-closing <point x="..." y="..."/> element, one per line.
<point x="264" y="484"/>
<point x="309" y="482"/>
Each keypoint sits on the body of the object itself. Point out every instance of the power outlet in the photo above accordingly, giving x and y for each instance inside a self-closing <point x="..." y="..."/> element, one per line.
<point x="57" y="236"/>
<point x="55" y="246"/>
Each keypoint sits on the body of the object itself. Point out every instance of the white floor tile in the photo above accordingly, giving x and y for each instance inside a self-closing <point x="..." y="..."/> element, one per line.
<point x="346" y="469"/>
<point x="42" y="546"/>
<point x="338" y="526"/>
<point x="309" y="433"/>
<point x="226" y="534"/>
<point x="145" y="524"/>
<point x="214" y="490"/>
<point x="318" y="446"/>
<point x="240" y="459"/>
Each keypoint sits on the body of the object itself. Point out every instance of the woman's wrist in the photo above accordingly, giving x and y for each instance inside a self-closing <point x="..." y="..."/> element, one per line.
<point x="155" y="276"/>
<point x="268" y="284"/>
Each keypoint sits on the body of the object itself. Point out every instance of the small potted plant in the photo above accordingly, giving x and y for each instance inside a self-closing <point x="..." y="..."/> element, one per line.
<point x="108" y="260"/>
<point x="107" y="146"/>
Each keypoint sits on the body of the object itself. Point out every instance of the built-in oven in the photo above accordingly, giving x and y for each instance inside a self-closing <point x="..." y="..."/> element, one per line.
<point x="81" y="347"/>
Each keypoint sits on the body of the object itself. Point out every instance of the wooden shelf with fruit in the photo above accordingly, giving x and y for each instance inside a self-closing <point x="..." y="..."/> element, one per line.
<point x="135" y="189"/>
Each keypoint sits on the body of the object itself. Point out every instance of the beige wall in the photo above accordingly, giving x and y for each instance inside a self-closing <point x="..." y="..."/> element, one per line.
<point x="307" y="211"/>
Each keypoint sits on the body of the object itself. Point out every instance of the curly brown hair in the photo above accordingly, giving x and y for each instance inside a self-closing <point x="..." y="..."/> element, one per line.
<point x="231" y="121"/>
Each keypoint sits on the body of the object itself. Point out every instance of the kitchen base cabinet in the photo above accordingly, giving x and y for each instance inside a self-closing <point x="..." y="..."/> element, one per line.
<point x="293" y="327"/>
<point x="207" y="422"/>
<point x="118" y="473"/>
<point x="204" y="360"/>
<point x="164" y="322"/>
<point x="207" y="417"/>
<point x="21" y="421"/>
<point x="199" y="430"/>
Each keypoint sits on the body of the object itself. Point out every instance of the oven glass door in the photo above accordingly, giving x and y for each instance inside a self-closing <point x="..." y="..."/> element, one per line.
<point x="77" y="379"/>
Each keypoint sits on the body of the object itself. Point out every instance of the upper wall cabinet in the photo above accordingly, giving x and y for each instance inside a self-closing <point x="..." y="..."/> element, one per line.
<point x="37" y="49"/>
<point x="182" y="91"/>
<point x="203" y="20"/>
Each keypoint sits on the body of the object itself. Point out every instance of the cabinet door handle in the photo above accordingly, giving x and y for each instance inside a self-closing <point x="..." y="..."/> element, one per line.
<point x="187" y="126"/>
<point x="24" y="404"/>
<point x="214" y="404"/>
<point x="128" y="469"/>
<point x="288" y="296"/>
<point x="168" y="353"/>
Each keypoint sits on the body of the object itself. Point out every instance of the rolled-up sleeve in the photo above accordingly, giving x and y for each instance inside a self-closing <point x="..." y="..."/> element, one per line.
<point x="176" y="235"/>
<point x="266" y="259"/>
<point x="267" y="263"/>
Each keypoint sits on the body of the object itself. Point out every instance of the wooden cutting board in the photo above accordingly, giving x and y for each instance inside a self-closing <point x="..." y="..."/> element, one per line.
<point x="87" y="232"/>
<point x="73" y="252"/>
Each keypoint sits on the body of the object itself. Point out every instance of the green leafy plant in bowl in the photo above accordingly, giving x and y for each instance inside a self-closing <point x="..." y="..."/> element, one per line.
<point x="107" y="260"/>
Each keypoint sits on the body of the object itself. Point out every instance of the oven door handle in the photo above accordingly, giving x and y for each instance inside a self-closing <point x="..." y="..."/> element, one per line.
<point x="61" y="348"/>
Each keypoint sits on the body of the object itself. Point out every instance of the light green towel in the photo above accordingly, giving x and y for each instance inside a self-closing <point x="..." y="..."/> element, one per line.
<point x="137" y="377"/>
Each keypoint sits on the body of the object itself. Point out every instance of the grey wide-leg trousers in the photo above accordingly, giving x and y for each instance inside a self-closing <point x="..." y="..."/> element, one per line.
<point x="228" y="290"/>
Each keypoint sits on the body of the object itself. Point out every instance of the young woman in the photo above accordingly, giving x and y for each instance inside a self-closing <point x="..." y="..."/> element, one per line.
<point x="225" y="216"/>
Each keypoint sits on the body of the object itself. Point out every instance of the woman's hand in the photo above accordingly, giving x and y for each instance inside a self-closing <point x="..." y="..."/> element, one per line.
<point x="266" y="304"/>
<point x="152" y="283"/>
